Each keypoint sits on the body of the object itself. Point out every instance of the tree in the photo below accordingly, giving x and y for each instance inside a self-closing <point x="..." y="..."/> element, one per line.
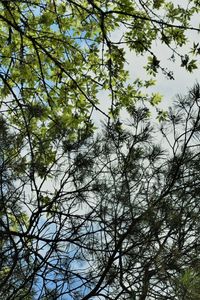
<point x="123" y="220"/>
<point x="13" y="264"/>
<point x="111" y="216"/>
<point x="187" y="285"/>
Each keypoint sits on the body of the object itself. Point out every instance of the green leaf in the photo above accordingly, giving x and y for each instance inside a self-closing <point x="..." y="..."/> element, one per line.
<point x="162" y="116"/>
<point x="156" y="99"/>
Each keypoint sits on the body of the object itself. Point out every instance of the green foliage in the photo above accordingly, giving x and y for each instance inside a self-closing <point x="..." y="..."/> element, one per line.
<point x="188" y="285"/>
<point x="153" y="65"/>
<point x="56" y="57"/>
<point x="13" y="218"/>
<point x="71" y="198"/>
<point x="156" y="99"/>
<point x="162" y="115"/>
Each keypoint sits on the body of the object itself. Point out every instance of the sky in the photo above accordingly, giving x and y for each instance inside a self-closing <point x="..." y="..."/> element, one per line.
<point x="183" y="80"/>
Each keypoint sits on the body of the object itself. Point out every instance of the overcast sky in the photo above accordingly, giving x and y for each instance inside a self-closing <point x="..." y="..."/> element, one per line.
<point x="183" y="80"/>
<point x="169" y="88"/>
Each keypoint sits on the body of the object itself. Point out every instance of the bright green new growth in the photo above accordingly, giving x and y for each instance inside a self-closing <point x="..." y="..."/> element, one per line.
<point x="57" y="56"/>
